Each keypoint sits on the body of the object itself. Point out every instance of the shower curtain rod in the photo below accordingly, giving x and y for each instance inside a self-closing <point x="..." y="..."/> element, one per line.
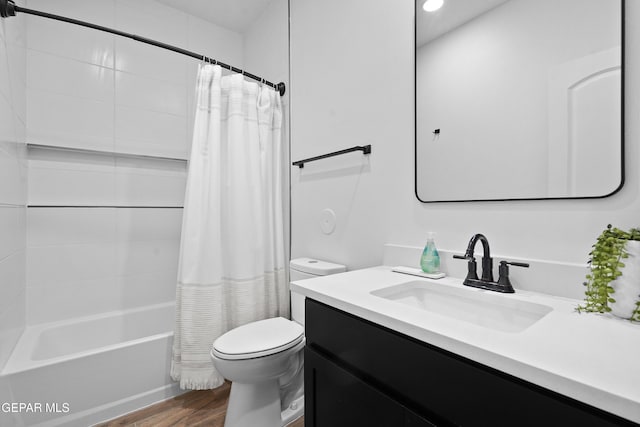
<point x="9" y="8"/>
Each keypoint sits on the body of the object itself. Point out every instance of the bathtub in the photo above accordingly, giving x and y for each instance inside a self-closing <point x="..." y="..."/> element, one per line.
<point x="82" y="371"/>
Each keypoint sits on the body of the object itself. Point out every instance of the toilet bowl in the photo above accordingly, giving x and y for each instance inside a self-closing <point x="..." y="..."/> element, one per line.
<point x="264" y="360"/>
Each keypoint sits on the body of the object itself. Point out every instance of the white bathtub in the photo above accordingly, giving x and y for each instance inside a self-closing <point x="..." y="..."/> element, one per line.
<point x="82" y="371"/>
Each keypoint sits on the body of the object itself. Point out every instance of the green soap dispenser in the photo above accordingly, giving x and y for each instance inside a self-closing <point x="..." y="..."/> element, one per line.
<point x="430" y="260"/>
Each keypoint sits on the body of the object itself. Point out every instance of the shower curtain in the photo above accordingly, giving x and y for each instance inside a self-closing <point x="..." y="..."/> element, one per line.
<point x="232" y="257"/>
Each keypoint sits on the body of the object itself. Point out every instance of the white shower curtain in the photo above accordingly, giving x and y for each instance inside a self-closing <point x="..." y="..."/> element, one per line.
<point x="232" y="256"/>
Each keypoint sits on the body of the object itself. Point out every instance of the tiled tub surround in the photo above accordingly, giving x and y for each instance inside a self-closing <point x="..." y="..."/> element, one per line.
<point x="109" y="123"/>
<point x="84" y="261"/>
<point x="126" y="111"/>
<point x="589" y="357"/>
<point x="94" y="90"/>
<point x="13" y="187"/>
<point x="126" y="108"/>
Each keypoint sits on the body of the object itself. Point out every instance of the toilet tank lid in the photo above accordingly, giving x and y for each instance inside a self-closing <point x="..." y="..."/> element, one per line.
<point x="316" y="267"/>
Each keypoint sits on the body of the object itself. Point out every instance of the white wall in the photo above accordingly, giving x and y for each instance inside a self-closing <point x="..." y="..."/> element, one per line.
<point x="95" y="91"/>
<point x="352" y="71"/>
<point x="13" y="185"/>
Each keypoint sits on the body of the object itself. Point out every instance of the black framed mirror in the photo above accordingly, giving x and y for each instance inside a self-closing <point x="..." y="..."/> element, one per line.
<point x="519" y="100"/>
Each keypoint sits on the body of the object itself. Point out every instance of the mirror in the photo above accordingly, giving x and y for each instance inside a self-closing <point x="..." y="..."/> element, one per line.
<point x="518" y="99"/>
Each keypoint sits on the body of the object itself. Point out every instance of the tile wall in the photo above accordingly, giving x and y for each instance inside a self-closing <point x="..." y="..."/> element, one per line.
<point x="126" y="110"/>
<point x="13" y="184"/>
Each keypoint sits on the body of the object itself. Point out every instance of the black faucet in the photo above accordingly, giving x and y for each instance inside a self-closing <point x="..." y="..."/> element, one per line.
<point x="486" y="281"/>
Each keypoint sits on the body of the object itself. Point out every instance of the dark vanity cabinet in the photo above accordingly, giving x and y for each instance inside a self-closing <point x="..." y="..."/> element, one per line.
<point x="337" y="397"/>
<point x="358" y="373"/>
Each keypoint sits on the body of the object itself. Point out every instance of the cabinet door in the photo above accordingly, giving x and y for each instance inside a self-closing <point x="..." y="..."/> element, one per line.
<point x="336" y="398"/>
<point x="413" y="420"/>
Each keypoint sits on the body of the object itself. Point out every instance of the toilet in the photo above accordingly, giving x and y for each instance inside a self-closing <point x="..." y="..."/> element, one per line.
<point x="264" y="360"/>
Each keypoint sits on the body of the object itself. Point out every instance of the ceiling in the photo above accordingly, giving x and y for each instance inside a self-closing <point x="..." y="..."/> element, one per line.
<point x="236" y="15"/>
<point x="453" y="13"/>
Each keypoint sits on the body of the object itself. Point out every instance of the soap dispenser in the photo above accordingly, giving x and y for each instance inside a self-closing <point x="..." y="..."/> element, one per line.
<point x="430" y="260"/>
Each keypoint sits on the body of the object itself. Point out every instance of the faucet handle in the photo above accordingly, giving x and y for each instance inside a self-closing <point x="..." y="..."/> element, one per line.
<point x="515" y="264"/>
<point x="472" y="269"/>
<point x="503" y="279"/>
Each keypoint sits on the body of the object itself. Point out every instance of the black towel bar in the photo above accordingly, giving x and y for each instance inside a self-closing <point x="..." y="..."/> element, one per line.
<point x="366" y="149"/>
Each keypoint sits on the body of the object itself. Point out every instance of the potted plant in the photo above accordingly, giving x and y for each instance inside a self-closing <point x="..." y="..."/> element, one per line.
<point x="613" y="283"/>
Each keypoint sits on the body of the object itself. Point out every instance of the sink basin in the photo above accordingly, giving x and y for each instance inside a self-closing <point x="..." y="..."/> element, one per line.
<point x="477" y="306"/>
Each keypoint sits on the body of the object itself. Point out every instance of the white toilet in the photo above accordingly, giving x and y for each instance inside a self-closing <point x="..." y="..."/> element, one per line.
<point x="264" y="360"/>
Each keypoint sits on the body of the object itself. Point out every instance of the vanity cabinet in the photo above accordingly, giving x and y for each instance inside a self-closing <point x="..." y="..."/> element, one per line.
<point x="359" y="373"/>
<point x="340" y="398"/>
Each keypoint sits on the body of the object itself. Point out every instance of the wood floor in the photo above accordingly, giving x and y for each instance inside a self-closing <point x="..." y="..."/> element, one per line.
<point x="192" y="409"/>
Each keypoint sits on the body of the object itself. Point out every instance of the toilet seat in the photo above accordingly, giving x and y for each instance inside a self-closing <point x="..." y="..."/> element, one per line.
<point x="258" y="339"/>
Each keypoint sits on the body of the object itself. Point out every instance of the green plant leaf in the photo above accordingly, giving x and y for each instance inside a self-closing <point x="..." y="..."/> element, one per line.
<point x="605" y="261"/>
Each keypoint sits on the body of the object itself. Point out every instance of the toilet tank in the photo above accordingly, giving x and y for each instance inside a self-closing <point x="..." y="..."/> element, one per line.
<point x="308" y="268"/>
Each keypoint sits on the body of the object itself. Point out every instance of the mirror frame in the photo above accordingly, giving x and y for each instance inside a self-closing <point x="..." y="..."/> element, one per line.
<point x="622" y="121"/>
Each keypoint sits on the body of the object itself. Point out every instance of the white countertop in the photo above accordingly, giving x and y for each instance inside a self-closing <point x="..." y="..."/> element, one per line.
<point x="590" y="357"/>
